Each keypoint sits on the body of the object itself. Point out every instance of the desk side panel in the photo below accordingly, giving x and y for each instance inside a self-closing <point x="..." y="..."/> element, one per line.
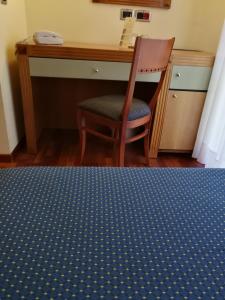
<point x="28" y="103"/>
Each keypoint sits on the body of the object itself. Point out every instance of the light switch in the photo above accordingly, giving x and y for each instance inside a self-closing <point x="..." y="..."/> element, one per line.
<point x="126" y="13"/>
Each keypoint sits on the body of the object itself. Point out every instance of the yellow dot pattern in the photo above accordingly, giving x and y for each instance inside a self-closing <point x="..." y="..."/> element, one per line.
<point x="112" y="233"/>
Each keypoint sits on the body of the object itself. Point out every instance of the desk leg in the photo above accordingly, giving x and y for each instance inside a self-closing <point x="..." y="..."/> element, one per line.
<point x="28" y="103"/>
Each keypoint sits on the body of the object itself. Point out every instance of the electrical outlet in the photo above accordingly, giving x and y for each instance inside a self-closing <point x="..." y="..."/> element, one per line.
<point x="126" y="13"/>
<point x="4" y="1"/>
<point x="143" y="15"/>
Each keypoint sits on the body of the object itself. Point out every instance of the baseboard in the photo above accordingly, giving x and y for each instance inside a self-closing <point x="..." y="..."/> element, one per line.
<point x="7" y="158"/>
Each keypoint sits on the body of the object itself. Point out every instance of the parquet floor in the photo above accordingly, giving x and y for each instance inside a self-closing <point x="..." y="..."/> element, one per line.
<point x="60" y="148"/>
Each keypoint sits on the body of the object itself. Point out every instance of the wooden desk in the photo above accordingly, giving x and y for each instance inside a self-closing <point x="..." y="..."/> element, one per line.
<point x="76" y="51"/>
<point x="30" y="67"/>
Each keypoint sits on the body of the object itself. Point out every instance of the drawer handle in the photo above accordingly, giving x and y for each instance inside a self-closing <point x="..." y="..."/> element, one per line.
<point x="175" y="96"/>
<point x="178" y="74"/>
<point x="96" y="70"/>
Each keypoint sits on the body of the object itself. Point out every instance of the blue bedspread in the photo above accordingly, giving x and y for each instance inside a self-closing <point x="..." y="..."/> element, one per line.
<point x="111" y="233"/>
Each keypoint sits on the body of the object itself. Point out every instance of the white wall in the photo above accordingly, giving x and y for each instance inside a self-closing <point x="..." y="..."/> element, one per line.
<point x="13" y="28"/>
<point x="196" y="24"/>
<point x="85" y="21"/>
<point x="208" y="19"/>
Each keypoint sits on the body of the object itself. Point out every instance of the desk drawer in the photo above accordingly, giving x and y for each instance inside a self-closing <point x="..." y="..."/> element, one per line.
<point x="65" y="68"/>
<point x="190" y="78"/>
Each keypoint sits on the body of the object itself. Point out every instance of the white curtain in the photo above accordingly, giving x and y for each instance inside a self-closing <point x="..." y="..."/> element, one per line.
<point x="210" y="144"/>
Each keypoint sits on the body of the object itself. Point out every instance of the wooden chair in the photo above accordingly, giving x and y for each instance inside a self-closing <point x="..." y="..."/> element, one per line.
<point x="119" y="112"/>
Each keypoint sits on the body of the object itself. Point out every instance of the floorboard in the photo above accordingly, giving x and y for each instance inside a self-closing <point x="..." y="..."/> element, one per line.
<point x="60" y="148"/>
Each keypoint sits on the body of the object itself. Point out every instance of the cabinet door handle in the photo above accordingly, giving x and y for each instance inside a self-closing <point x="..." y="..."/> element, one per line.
<point x="178" y="74"/>
<point x="175" y="96"/>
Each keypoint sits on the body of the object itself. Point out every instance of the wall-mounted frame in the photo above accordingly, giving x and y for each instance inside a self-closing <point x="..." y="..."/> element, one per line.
<point x="151" y="3"/>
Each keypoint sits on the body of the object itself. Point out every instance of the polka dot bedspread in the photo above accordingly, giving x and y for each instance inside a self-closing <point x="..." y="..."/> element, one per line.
<point x="112" y="233"/>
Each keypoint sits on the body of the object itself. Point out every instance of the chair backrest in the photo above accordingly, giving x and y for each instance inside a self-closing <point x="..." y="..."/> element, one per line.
<point x="150" y="55"/>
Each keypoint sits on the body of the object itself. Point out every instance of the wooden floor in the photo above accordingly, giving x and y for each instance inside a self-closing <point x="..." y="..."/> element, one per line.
<point x="60" y="148"/>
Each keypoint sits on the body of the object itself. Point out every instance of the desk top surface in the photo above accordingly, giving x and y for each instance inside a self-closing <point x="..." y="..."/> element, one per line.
<point x="75" y="50"/>
<point x="104" y="52"/>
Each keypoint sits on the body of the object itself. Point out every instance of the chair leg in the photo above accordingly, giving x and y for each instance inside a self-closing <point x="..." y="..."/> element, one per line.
<point x="121" y="154"/>
<point x="115" y="134"/>
<point x="147" y="145"/>
<point x="82" y="133"/>
<point x="122" y="145"/>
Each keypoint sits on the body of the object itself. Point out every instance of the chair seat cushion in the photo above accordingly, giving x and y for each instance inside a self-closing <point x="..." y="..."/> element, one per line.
<point x="111" y="106"/>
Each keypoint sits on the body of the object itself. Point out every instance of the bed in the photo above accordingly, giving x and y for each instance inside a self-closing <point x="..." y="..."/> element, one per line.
<point x="112" y="233"/>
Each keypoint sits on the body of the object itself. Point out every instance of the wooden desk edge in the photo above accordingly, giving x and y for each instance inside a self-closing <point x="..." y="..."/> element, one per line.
<point x="85" y="51"/>
<point x="76" y="51"/>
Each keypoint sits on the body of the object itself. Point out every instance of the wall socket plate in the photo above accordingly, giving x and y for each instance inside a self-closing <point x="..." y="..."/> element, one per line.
<point x="139" y="15"/>
<point x="3" y="1"/>
<point x="143" y="15"/>
<point x="125" y="12"/>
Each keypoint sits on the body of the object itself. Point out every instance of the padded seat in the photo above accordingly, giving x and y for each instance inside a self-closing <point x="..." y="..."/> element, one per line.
<point x="111" y="106"/>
